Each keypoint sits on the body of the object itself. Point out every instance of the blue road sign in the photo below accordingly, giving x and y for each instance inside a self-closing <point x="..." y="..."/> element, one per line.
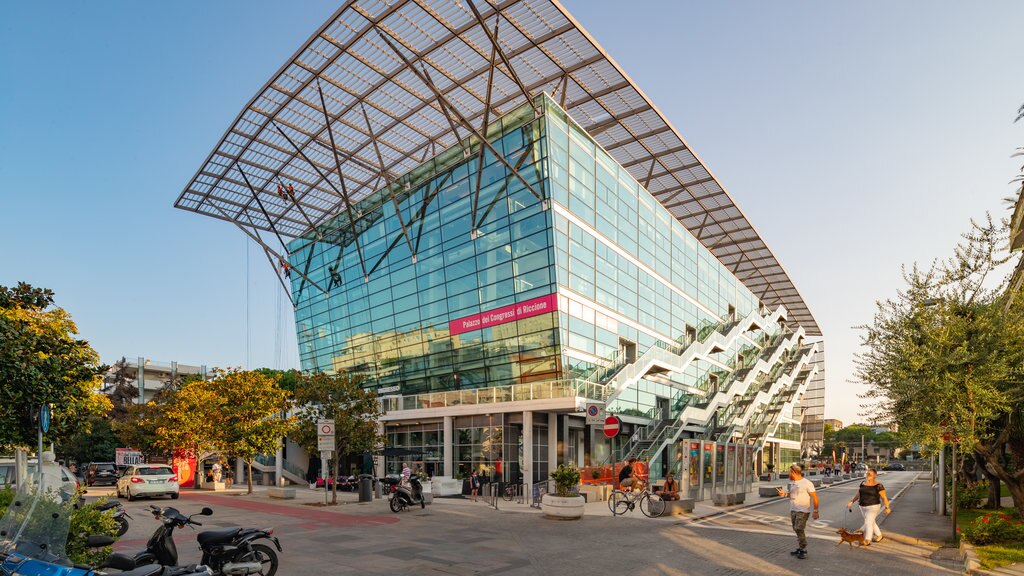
<point x="44" y="419"/>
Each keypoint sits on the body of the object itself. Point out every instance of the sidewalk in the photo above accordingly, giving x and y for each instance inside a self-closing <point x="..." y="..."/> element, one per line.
<point x="912" y="520"/>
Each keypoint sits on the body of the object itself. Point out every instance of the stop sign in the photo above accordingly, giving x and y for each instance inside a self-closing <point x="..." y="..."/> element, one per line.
<point x="612" y="425"/>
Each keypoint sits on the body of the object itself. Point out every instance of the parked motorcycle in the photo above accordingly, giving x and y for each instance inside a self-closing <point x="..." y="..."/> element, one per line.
<point x="230" y="552"/>
<point x="406" y="496"/>
<point x="33" y="536"/>
<point x="119" y="514"/>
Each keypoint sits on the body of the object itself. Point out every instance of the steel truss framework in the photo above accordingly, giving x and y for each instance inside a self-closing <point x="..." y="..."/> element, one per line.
<point x="384" y="85"/>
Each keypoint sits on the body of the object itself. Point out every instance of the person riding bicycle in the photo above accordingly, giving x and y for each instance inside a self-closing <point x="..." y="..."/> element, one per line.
<point x="628" y="477"/>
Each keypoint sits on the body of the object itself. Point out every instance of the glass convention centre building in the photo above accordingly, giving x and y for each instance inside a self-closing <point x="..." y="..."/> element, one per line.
<point x="477" y="214"/>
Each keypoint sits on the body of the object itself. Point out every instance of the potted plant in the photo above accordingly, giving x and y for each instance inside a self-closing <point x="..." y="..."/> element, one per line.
<point x="564" y="504"/>
<point x="595" y="473"/>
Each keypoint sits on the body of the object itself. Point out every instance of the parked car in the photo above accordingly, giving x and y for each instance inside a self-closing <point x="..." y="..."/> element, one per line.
<point x="101" y="473"/>
<point x="147" y="480"/>
<point x="68" y="479"/>
<point x="894" y="467"/>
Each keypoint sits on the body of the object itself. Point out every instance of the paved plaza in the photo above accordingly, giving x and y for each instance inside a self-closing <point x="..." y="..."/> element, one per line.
<point x="456" y="536"/>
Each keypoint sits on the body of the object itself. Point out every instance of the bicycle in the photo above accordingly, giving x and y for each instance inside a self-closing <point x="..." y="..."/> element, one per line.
<point x="510" y="492"/>
<point x="650" y="503"/>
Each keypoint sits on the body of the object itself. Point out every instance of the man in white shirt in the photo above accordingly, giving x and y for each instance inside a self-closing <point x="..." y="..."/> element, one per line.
<point x="801" y="496"/>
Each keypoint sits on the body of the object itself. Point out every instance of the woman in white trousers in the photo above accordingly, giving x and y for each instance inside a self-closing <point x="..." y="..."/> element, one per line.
<point x="871" y="496"/>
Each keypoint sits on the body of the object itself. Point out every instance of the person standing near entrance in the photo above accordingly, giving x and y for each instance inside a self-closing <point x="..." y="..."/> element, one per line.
<point x="803" y="504"/>
<point x="871" y="496"/>
<point x="474" y="485"/>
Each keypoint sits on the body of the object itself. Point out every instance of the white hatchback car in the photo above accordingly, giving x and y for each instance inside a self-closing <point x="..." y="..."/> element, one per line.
<point x="145" y="480"/>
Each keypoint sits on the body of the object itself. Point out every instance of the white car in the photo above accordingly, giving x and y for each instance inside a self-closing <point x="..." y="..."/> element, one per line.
<point x="68" y="480"/>
<point x="147" y="480"/>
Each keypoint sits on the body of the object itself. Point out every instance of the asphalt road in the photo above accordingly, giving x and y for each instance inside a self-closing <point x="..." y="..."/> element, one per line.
<point x="457" y="537"/>
<point x="772" y="517"/>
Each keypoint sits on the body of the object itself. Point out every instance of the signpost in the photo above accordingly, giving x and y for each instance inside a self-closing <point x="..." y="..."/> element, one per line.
<point x="612" y="426"/>
<point x="595" y="414"/>
<point x="127" y="457"/>
<point x="325" y="443"/>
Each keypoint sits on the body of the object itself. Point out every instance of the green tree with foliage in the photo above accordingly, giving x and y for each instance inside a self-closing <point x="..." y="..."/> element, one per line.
<point x="43" y="362"/>
<point x="356" y="413"/>
<point x="95" y="441"/>
<point x="139" y="428"/>
<point x="193" y="419"/>
<point x="945" y="357"/>
<point x="257" y="409"/>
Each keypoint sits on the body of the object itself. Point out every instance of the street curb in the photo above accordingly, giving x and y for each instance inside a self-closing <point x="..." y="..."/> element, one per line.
<point x="972" y="565"/>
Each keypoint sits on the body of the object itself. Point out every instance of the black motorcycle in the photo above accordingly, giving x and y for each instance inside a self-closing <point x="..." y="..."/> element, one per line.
<point x="406" y="496"/>
<point x="230" y="552"/>
<point x="119" y="514"/>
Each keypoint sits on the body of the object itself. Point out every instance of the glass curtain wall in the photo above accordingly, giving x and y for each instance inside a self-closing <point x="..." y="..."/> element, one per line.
<point x="389" y="318"/>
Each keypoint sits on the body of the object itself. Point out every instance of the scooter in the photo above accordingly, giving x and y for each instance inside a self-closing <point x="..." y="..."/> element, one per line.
<point x="407" y="496"/>
<point x="230" y="552"/>
<point x="119" y="514"/>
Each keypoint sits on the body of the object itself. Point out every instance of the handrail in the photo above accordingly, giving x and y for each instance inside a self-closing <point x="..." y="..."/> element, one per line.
<point x="550" y="389"/>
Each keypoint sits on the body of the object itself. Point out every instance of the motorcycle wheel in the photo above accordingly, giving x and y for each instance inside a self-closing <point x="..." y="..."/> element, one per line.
<point x="396" y="504"/>
<point x="122" y="527"/>
<point x="263" y="554"/>
<point x="423" y="503"/>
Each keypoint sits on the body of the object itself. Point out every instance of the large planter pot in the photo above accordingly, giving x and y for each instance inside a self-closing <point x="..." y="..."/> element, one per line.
<point x="428" y="493"/>
<point x="562" y="507"/>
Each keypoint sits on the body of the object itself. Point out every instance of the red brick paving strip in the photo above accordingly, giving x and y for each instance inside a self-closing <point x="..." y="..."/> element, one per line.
<point x="308" y="513"/>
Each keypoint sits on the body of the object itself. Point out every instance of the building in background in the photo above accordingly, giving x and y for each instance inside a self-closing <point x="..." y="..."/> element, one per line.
<point x="835" y="424"/>
<point x="149" y="376"/>
<point x="477" y="212"/>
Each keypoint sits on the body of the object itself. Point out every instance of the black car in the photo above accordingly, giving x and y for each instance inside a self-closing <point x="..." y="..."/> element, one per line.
<point x="894" y="467"/>
<point x="101" y="473"/>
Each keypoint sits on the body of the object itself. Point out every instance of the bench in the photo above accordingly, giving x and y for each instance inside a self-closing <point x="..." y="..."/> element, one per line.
<point x="817" y="483"/>
<point x="767" y="491"/>
<point x="728" y="498"/>
<point x="829" y="480"/>
<point x="677" y="507"/>
<point x="281" y="493"/>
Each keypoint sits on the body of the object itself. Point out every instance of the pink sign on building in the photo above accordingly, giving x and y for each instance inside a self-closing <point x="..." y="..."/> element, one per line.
<point x="511" y="313"/>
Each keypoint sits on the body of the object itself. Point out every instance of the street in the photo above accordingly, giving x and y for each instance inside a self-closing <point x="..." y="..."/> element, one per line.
<point x="455" y="536"/>
<point x="772" y="517"/>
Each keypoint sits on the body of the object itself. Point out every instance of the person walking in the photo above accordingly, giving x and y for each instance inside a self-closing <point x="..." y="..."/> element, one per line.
<point x="871" y="496"/>
<point x="803" y="504"/>
<point x="474" y="485"/>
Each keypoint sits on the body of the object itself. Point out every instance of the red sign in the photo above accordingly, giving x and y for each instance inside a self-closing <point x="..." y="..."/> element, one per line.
<point x="612" y="425"/>
<point x="505" y="314"/>
<point x="184" y="465"/>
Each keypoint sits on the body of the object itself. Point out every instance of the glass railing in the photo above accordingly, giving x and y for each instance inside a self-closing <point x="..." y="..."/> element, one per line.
<point x="552" y="389"/>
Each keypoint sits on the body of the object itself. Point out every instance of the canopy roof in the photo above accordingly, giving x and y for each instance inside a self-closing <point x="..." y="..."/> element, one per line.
<point x="400" y="80"/>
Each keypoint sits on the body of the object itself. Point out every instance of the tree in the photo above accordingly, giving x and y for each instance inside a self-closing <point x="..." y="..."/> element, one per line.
<point x="256" y="406"/>
<point x="95" y="441"/>
<point x="355" y="412"/>
<point x="43" y="362"/>
<point x="124" y="393"/>
<point x="944" y="358"/>
<point x="139" y="428"/>
<point x="193" y="419"/>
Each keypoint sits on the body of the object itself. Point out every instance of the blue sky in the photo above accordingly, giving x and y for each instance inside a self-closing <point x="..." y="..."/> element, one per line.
<point x="857" y="137"/>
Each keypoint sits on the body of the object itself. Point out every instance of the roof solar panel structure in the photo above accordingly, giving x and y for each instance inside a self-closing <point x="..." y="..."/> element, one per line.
<point x="399" y="81"/>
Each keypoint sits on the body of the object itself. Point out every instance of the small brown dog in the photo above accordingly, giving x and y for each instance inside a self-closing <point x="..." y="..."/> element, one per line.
<point x="850" y="537"/>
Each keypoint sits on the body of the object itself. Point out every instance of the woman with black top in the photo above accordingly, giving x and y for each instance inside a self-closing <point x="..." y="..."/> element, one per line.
<point x="871" y="496"/>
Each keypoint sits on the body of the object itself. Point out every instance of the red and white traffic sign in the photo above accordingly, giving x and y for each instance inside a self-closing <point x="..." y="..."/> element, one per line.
<point x="325" y="435"/>
<point x="612" y="425"/>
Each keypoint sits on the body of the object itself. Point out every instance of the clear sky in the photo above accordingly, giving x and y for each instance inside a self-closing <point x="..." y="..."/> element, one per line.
<point x="857" y="137"/>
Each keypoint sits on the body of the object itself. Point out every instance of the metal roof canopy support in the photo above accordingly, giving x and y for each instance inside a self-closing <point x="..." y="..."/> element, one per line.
<point x="425" y="78"/>
<point x="484" y="122"/>
<point x="543" y="46"/>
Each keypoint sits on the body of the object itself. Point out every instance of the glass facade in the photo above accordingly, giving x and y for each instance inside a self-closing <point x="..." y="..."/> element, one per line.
<point x="477" y="280"/>
<point x="388" y="316"/>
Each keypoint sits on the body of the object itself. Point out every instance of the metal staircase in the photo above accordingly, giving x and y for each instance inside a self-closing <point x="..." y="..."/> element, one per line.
<point x="769" y="371"/>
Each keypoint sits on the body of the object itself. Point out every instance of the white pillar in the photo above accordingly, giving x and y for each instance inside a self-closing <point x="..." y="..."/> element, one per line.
<point x="279" y="465"/>
<point x="552" y="442"/>
<point x="448" y="441"/>
<point x="528" y="453"/>
<point x="240" y="467"/>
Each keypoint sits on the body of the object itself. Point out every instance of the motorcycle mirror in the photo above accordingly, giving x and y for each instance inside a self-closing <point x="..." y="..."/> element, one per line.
<point x="119" y="562"/>
<point x="97" y="541"/>
<point x="206" y="512"/>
